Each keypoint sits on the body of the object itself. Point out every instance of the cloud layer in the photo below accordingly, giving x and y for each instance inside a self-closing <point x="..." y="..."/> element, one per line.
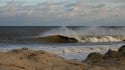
<point x="81" y="12"/>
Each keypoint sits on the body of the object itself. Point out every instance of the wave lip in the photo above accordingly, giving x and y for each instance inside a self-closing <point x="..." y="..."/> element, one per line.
<point x="78" y="39"/>
<point x="89" y="34"/>
<point x="81" y="38"/>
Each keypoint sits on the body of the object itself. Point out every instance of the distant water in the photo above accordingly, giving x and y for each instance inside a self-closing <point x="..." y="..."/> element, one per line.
<point x="91" y="39"/>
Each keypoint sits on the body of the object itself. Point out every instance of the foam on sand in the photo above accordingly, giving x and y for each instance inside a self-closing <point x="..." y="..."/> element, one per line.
<point x="66" y="51"/>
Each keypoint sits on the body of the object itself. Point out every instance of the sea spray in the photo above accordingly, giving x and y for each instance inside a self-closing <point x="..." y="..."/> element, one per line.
<point x="64" y="31"/>
<point x="89" y="34"/>
<point x="100" y="30"/>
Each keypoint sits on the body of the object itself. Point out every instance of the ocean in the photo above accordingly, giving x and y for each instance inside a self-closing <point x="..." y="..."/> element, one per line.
<point x="69" y="42"/>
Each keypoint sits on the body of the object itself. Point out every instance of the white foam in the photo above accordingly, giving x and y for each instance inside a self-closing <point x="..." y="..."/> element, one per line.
<point x="107" y="35"/>
<point x="68" y="52"/>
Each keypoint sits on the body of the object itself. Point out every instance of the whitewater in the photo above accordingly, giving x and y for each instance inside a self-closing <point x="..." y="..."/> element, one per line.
<point x="90" y="39"/>
<point x="90" y="34"/>
<point x="67" y="51"/>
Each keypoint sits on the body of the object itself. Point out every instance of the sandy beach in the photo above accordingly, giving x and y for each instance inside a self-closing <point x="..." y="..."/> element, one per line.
<point x="27" y="59"/>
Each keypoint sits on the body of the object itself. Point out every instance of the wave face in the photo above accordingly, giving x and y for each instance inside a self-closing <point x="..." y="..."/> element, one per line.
<point x="51" y="39"/>
<point x="55" y="34"/>
<point x="89" y="34"/>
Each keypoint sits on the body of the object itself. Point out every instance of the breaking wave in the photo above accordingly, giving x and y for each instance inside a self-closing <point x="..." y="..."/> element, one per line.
<point x="89" y="34"/>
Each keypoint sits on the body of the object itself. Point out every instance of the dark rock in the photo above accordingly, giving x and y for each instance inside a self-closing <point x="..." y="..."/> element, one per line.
<point x="123" y="39"/>
<point x="112" y="54"/>
<point x="95" y="57"/>
<point x="122" y="49"/>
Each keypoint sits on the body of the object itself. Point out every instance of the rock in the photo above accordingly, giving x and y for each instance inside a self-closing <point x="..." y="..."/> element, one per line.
<point x="112" y="54"/>
<point x="122" y="49"/>
<point x="95" y="57"/>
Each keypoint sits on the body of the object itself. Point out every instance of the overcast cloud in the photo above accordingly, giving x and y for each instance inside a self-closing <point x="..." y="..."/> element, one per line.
<point x="63" y="13"/>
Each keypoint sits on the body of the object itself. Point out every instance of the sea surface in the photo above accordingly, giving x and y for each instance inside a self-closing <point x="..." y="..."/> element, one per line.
<point x="90" y="39"/>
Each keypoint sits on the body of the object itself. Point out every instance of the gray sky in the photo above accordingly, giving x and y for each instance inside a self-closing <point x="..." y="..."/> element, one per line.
<point x="62" y="12"/>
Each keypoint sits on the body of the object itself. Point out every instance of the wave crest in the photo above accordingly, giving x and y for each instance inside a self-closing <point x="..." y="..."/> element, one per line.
<point x="92" y="34"/>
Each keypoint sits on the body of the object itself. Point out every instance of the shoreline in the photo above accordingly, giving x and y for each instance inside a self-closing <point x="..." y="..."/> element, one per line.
<point x="66" y="51"/>
<point x="27" y="59"/>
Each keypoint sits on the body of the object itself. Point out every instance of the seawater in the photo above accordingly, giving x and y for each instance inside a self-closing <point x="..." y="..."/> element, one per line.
<point x="67" y="51"/>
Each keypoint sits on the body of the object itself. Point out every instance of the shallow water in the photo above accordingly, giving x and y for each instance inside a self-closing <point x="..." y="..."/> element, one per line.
<point x="67" y="51"/>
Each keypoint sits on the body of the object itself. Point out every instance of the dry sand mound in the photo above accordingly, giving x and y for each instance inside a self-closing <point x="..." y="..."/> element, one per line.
<point x="25" y="59"/>
<point x="112" y="60"/>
